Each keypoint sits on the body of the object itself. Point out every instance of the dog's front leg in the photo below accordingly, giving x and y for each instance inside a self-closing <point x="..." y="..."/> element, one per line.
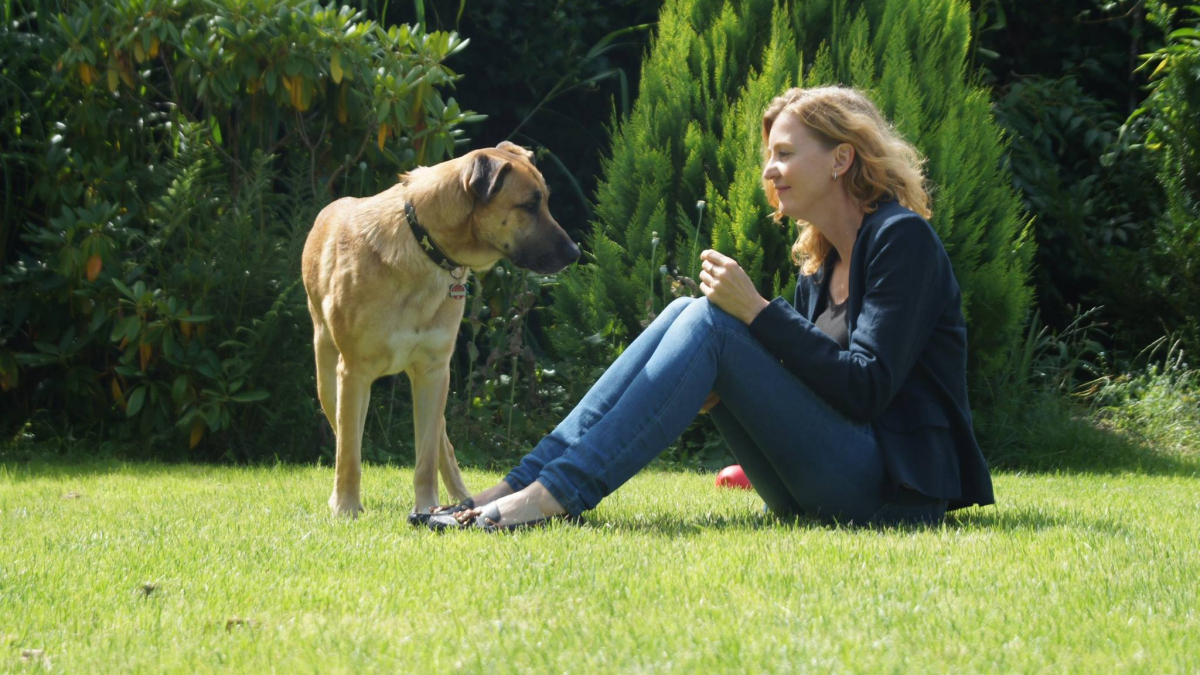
<point x="353" y="394"/>
<point x="430" y="388"/>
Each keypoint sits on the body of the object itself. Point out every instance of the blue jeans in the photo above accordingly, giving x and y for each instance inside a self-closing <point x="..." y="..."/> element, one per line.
<point x="803" y="457"/>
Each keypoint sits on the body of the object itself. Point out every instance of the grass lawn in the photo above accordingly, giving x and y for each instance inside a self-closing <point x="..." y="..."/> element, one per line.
<point x="152" y="568"/>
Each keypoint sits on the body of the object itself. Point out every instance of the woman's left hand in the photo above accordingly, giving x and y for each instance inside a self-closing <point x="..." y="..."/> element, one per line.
<point x="726" y="285"/>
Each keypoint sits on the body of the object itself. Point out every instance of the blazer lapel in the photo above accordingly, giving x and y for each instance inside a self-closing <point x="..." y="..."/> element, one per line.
<point x="858" y="265"/>
<point x="815" y="286"/>
<point x="857" y="278"/>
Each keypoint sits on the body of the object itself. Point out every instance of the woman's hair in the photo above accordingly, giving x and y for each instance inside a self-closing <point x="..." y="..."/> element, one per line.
<point x="885" y="166"/>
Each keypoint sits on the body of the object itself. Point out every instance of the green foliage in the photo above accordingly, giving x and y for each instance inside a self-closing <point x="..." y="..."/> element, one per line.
<point x="507" y="393"/>
<point x="1068" y="75"/>
<point x="1158" y="405"/>
<point x="1090" y="200"/>
<point x="695" y="131"/>
<point x="168" y="159"/>
<point x="1168" y="118"/>
<point x="1062" y="402"/>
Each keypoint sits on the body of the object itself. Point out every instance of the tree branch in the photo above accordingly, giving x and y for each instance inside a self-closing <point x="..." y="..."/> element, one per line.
<point x="1126" y="15"/>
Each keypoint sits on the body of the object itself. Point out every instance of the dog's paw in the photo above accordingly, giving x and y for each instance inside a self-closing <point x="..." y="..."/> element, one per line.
<point x="345" y="506"/>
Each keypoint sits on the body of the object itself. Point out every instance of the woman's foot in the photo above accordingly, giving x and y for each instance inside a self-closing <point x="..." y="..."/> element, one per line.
<point x="501" y="489"/>
<point x="533" y="503"/>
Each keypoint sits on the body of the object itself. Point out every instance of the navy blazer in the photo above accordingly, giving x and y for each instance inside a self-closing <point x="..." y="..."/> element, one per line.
<point x="905" y="370"/>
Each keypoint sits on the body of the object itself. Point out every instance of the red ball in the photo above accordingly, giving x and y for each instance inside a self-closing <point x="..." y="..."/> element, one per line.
<point x="733" y="477"/>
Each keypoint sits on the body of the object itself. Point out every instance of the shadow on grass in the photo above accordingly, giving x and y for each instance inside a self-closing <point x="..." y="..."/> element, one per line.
<point x="666" y="522"/>
<point x="1015" y="519"/>
<point x="990" y="518"/>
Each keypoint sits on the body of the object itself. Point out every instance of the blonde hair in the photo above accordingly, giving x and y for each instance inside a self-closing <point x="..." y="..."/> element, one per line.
<point x="885" y="166"/>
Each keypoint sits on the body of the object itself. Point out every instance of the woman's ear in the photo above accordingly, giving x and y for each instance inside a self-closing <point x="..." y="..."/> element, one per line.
<point x="843" y="157"/>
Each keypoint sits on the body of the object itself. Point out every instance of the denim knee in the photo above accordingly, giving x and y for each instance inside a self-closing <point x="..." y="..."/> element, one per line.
<point x="677" y="306"/>
<point x="702" y="312"/>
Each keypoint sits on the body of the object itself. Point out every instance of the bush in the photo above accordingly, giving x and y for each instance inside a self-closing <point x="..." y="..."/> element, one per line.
<point x="1090" y="201"/>
<point x="1062" y="404"/>
<point x="1166" y="123"/>
<point x="169" y="158"/>
<point x="1159" y="405"/>
<point x="1068" y="75"/>
<point x="694" y="133"/>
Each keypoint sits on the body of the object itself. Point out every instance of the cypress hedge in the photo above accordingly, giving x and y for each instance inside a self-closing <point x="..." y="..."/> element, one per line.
<point x="694" y="134"/>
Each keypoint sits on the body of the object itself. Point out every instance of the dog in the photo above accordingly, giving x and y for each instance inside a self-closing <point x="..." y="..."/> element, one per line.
<point x="385" y="278"/>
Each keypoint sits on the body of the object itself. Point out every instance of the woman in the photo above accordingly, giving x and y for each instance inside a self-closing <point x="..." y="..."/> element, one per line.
<point x="849" y="405"/>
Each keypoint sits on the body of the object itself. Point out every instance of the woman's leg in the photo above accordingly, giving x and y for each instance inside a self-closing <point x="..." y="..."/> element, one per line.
<point x="767" y="483"/>
<point x="598" y="401"/>
<point x="831" y="467"/>
<point x="702" y="344"/>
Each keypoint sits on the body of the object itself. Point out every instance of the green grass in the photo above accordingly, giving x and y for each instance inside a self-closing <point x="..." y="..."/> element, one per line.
<point x="1075" y="573"/>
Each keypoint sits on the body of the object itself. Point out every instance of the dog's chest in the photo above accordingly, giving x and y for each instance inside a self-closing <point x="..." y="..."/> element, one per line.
<point x="421" y="327"/>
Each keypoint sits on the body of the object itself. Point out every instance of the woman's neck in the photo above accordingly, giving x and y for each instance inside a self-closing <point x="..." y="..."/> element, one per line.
<point x="840" y="223"/>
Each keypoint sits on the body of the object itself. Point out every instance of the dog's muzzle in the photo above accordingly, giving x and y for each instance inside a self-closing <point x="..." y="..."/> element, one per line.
<point x="549" y="257"/>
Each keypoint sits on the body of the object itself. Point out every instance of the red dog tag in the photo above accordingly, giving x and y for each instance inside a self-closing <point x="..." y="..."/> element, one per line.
<point x="458" y="291"/>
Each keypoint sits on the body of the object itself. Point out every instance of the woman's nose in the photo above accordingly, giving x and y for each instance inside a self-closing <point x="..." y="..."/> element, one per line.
<point x="769" y="171"/>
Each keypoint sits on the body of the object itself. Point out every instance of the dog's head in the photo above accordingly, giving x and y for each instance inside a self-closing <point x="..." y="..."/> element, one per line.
<point x="511" y="214"/>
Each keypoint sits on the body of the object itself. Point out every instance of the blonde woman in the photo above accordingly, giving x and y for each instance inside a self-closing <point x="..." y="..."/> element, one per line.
<point x="848" y="404"/>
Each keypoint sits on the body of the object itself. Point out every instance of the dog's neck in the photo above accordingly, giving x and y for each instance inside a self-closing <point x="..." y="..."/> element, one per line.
<point x="442" y="206"/>
<point x="440" y="200"/>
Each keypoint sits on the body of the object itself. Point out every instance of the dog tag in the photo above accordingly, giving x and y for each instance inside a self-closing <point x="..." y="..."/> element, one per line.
<point x="458" y="291"/>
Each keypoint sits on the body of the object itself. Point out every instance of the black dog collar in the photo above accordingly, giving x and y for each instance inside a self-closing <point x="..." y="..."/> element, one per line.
<point x="437" y="255"/>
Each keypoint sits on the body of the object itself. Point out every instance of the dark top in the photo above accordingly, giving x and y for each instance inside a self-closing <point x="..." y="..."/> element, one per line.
<point x="904" y="370"/>
<point x="832" y="322"/>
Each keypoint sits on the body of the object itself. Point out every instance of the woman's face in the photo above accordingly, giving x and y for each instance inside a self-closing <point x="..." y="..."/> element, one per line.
<point x="800" y="166"/>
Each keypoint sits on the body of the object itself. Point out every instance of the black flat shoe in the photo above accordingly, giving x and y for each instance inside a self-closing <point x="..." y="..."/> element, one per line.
<point x="488" y="520"/>
<point x="415" y="518"/>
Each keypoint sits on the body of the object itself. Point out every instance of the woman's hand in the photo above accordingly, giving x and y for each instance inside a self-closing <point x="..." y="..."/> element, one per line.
<point x="727" y="286"/>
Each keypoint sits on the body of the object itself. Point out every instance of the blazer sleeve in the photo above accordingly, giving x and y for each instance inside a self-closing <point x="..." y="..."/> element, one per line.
<point x="906" y="288"/>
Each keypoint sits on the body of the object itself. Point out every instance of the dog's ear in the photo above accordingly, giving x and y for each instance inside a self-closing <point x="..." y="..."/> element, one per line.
<point x="516" y="150"/>
<point x="486" y="176"/>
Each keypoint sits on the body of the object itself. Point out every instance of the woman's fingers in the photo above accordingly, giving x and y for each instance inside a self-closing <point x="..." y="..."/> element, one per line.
<point x="715" y="257"/>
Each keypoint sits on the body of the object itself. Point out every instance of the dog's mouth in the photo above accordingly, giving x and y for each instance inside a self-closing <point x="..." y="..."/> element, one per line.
<point x="547" y="262"/>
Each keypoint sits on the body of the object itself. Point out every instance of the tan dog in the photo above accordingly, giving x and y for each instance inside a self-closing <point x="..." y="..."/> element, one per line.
<point x="380" y="304"/>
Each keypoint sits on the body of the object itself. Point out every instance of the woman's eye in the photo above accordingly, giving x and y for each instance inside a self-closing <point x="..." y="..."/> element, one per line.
<point x="783" y="155"/>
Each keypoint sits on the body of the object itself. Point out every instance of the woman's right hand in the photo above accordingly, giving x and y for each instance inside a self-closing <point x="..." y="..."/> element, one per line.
<point x="710" y="402"/>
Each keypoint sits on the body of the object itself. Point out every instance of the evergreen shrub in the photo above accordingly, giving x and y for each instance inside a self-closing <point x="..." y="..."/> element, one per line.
<point x="694" y="134"/>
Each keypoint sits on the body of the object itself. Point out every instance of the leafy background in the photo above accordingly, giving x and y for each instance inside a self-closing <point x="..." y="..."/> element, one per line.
<point x="163" y="160"/>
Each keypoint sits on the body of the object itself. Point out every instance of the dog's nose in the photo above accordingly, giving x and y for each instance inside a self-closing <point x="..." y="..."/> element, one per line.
<point x="573" y="252"/>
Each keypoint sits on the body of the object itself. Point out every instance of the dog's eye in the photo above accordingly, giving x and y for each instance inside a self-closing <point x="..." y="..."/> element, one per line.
<point x="531" y="207"/>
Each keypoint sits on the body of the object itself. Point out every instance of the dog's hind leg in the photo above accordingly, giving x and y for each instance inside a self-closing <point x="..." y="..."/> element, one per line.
<point x="448" y="467"/>
<point x="430" y="387"/>
<point x="327" y="361"/>
<point x="353" y="395"/>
